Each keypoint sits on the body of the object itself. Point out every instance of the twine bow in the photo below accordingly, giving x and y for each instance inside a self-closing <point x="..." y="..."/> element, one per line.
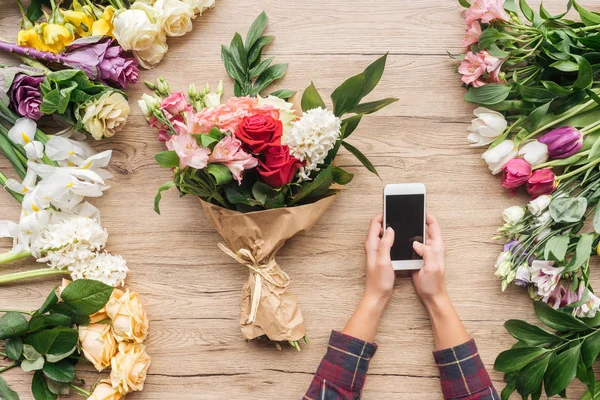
<point x="261" y="271"/>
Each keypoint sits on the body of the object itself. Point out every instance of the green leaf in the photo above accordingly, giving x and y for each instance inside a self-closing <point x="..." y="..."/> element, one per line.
<point x="271" y="74"/>
<point x="585" y="75"/>
<point x="587" y="17"/>
<point x="205" y="140"/>
<point x="39" y="387"/>
<point x="50" y="302"/>
<point x="62" y="371"/>
<point x="12" y="324"/>
<point x="535" y="117"/>
<point x="526" y="10"/>
<point x="464" y="3"/>
<point x="582" y="252"/>
<point x="33" y="365"/>
<point x="347" y="96"/>
<point x="509" y="389"/>
<point x="516" y="358"/>
<point x="317" y="187"/>
<point x="565" y="66"/>
<point x="342" y="177"/>
<point x="311" y="98"/>
<point x="492" y="93"/>
<point x="556" y="247"/>
<point x="261" y="67"/>
<point x="558" y="320"/>
<point x="167" y="159"/>
<point x="86" y="297"/>
<point x="158" y="197"/>
<point x="283" y="93"/>
<point x="256" y="29"/>
<point x="54" y="358"/>
<point x="529" y="334"/>
<point x="220" y="172"/>
<point x="255" y="52"/>
<point x="568" y="209"/>
<point x="6" y="393"/>
<point x="561" y="371"/>
<point x="35" y="11"/>
<point x="238" y="52"/>
<point x="373" y="106"/>
<point x="530" y="377"/>
<point x="588" y="396"/>
<point x="373" y="73"/>
<point x="590" y="349"/>
<point x="54" y="341"/>
<point x="349" y="124"/>
<point x="361" y="157"/>
<point x="38" y="322"/>
<point x="262" y="192"/>
<point x="231" y="67"/>
<point x="13" y="347"/>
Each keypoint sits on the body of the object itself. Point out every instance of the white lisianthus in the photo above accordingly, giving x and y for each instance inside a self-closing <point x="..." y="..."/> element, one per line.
<point x="543" y="234"/>
<point x="105" y="116"/>
<point x="287" y="114"/>
<point x="503" y="265"/>
<point x="513" y="215"/>
<point x="199" y="5"/>
<point x="175" y="17"/>
<point x="311" y="138"/>
<point x="104" y="267"/>
<point x="135" y="29"/>
<point x="534" y="152"/>
<point x="539" y="204"/>
<point x="523" y="275"/>
<point x="488" y="126"/>
<point x="213" y="99"/>
<point x="152" y="55"/>
<point x="498" y="156"/>
<point x="543" y="219"/>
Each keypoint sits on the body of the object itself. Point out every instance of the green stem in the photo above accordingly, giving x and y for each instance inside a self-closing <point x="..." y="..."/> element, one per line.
<point x="12" y="256"/>
<point x="555" y="162"/>
<point x="578" y="170"/>
<point x="31" y="274"/>
<point x="17" y="311"/>
<point x="586" y="129"/>
<point x="587" y="28"/>
<point x="7" y="368"/>
<point x="3" y="354"/>
<point x="566" y="116"/>
<point x="80" y="390"/>
<point x="27" y="24"/>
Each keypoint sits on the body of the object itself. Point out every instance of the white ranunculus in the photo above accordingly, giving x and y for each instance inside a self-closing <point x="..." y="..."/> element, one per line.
<point x="134" y="29"/>
<point x="498" y="156"/>
<point x="488" y="126"/>
<point x="539" y="204"/>
<point x="199" y="5"/>
<point x="175" y="17"/>
<point x="534" y="153"/>
<point x="513" y="215"/>
<point x="151" y="56"/>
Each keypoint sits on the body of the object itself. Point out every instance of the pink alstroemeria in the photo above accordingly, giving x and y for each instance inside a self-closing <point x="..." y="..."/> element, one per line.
<point x="190" y="154"/>
<point x="561" y="297"/>
<point x="589" y="308"/>
<point x="545" y="276"/>
<point x="486" y="11"/>
<point x="175" y="104"/>
<point x="493" y="66"/>
<point x="472" y="35"/>
<point x="229" y="153"/>
<point x="472" y="68"/>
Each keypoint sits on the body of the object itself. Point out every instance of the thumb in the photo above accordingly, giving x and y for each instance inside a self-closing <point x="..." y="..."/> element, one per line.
<point x="419" y="248"/>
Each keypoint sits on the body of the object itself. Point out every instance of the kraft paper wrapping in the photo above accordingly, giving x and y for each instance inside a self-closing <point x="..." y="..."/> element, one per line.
<point x="253" y="239"/>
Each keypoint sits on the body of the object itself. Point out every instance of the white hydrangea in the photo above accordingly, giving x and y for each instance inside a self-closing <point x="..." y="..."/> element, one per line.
<point x="311" y="138"/>
<point x="104" y="267"/>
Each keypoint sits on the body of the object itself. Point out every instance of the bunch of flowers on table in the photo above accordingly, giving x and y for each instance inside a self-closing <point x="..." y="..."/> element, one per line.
<point x="57" y="226"/>
<point x="106" y="326"/>
<point x="262" y="169"/>
<point x="533" y="80"/>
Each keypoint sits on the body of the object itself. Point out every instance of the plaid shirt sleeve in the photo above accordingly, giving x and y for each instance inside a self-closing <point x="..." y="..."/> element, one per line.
<point x="342" y="372"/>
<point x="463" y="375"/>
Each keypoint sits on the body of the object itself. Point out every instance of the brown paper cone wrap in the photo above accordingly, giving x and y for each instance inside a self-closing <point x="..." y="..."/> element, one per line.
<point x="253" y="239"/>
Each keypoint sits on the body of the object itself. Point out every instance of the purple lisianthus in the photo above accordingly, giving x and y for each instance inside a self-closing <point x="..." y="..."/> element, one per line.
<point x="25" y="95"/>
<point x="115" y="68"/>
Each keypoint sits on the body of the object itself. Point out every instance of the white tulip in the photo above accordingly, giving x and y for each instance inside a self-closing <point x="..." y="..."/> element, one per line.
<point x="175" y="17"/>
<point x="513" y="215"/>
<point x="134" y="29"/>
<point x="498" y="156"/>
<point x="539" y="204"/>
<point x="534" y="153"/>
<point x="488" y="126"/>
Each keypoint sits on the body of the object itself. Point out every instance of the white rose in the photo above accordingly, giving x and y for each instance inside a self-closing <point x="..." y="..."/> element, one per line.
<point x="199" y="5"/>
<point x="175" y="17"/>
<point x="539" y="204"/>
<point x="486" y="127"/>
<point x="151" y="56"/>
<point x="534" y="153"/>
<point x="498" y="156"/>
<point x="134" y="29"/>
<point x="513" y="215"/>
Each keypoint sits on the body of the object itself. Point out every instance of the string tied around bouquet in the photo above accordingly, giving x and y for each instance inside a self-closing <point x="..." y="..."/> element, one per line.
<point x="261" y="271"/>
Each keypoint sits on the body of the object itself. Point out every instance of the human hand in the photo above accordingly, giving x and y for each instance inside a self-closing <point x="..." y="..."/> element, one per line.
<point x="430" y="280"/>
<point x="380" y="273"/>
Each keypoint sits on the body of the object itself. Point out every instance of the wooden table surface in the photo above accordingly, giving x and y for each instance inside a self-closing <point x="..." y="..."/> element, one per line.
<point x="192" y="290"/>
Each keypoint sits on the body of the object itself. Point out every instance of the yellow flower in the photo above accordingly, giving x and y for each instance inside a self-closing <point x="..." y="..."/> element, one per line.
<point x="31" y="38"/>
<point x="98" y="345"/>
<point x="105" y="391"/>
<point x="129" y="320"/>
<point x="56" y="37"/>
<point x="81" y="20"/>
<point x="129" y="367"/>
<point x="104" y="26"/>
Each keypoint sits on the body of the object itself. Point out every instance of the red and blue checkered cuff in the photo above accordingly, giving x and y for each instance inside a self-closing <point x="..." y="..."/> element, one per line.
<point x="462" y="373"/>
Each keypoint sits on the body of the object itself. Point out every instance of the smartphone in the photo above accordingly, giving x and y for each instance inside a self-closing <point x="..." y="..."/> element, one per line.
<point x="404" y="208"/>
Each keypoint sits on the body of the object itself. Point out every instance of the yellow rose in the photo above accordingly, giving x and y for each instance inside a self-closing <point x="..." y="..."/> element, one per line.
<point x="81" y="20"/>
<point x="129" y="367"/>
<point x="97" y="344"/>
<point x="104" y="26"/>
<point x="31" y="38"/>
<point x="105" y="391"/>
<point x="98" y="316"/>
<point x="56" y="37"/>
<point x="105" y="116"/>
<point x="128" y="316"/>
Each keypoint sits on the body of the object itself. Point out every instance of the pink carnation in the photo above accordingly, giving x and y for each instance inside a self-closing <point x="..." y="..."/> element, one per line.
<point x="486" y="11"/>
<point x="472" y="35"/>
<point x="175" y="104"/>
<point x="190" y="154"/>
<point x="229" y="152"/>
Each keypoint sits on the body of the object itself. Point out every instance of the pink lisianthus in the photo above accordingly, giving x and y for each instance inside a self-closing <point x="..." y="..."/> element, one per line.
<point x="175" y="104"/>
<point x="190" y="154"/>
<point x="486" y="11"/>
<point x="227" y="117"/>
<point x="163" y="135"/>
<point x="472" y="35"/>
<point x="229" y="153"/>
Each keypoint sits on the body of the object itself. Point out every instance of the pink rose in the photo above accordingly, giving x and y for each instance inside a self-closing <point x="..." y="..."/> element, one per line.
<point x="472" y="35"/>
<point x="229" y="152"/>
<point x="175" y="104"/>
<point x="486" y="11"/>
<point x="190" y="154"/>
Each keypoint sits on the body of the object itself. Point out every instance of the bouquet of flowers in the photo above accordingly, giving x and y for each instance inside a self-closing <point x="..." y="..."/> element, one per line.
<point x="263" y="171"/>
<point x="535" y="82"/>
<point x="107" y="326"/>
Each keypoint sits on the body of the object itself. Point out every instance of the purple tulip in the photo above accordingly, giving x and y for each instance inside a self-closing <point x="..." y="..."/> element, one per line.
<point x="563" y="142"/>
<point x="25" y="95"/>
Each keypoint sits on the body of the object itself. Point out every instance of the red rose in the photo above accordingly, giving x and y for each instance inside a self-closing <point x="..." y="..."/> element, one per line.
<point x="259" y="131"/>
<point x="278" y="167"/>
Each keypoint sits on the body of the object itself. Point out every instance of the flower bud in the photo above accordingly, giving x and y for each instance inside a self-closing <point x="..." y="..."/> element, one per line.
<point x="534" y="153"/>
<point x="163" y="87"/>
<point x="542" y="181"/>
<point x="563" y="142"/>
<point x="152" y="104"/>
<point x="522" y="275"/>
<point x="193" y="93"/>
<point x="516" y="172"/>
<point x="220" y="87"/>
<point x="539" y="205"/>
<point x="513" y="215"/>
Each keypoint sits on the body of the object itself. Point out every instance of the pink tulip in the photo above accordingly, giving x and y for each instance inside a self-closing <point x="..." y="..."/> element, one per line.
<point x="190" y="154"/>
<point x="472" y="35"/>
<point x="175" y="104"/>
<point x="486" y="11"/>
<point x="229" y="152"/>
<point x="542" y="181"/>
<point x="516" y="172"/>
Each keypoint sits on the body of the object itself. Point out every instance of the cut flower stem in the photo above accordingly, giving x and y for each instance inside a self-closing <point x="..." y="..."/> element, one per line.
<point x="13" y="256"/>
<point x="18" y="276"/>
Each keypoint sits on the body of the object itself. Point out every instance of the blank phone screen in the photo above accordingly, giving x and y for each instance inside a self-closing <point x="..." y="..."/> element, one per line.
<point x="404" y="213"/>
